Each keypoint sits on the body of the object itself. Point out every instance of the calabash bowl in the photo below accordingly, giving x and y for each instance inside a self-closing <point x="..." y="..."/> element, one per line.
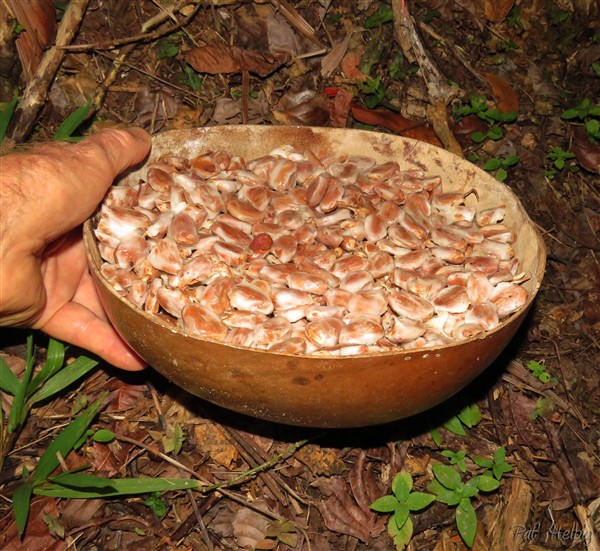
<point x="324" y="391"/>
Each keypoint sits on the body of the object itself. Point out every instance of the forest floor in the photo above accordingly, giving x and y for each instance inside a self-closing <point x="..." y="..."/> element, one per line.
<point x="535" y="411"/>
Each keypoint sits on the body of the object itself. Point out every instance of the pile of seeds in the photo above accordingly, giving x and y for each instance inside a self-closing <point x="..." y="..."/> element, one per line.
<point x="298" y="254"/>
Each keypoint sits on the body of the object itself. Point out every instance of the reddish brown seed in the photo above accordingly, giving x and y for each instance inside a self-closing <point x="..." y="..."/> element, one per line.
<point x="203" y="322"/>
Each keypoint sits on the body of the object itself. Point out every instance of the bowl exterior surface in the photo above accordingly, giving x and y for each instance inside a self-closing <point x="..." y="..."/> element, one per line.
<point x="324" y="391"/>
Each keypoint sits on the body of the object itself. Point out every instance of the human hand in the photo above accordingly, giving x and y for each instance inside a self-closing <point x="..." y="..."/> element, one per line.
<point x="45" y="195"/>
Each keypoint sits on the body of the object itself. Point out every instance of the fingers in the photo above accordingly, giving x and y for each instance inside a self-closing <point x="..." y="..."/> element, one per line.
<point x="76" y="324"/>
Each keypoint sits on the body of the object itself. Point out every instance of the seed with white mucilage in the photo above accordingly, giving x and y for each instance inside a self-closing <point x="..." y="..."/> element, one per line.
<point x="302" y="255"/>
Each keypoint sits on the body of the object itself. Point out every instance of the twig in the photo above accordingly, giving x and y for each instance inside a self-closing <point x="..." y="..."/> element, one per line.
<point x="439" y="91"/>
<point x="142" y="37"/>
<point x="36" y="91"/>
<point x="150" y="24"/>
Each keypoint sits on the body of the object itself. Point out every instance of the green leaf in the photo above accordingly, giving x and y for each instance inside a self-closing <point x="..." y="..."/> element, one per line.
<point x="103" y="436"/>
<point x="419" y="500"/>
<point x="478" y="137"/>
<point x="55" y="358"/>
<point x="447" y="476"/>
<point x="570" y="114"/>
<point x="487" y="483"/>
<point x="403" y="536"/>
<point x="156" y="503"/>
<point x="482" y="462"/>
<point x="61" y="380"/>
<point x="80" y="480"/>
<point x="495" y="133"/>
<point x="470" y="416"/>
<point x="454" y="425"/>
<point x="117" y="487"/>
<point x="436" y="436"/>
<point x="501" y="175"/>
<point x="402" y="485"/>
<point x="18" y="411"/>
<point x="384" y="15"/>
<point x="65" y="442"/>
<point x="492" y="164"/>
<point x="5" y="116"/>
<point x="449" y="497"/>
<point x="9" y="382"/>
<point x="469" y="490"/>
<point x="500" y="469"/>
<point x="167" y="49"/>
<point x="500" y="455"/>
<point x="401" y="515"/>
<point x="466" y="522"/>
<point x="511" y="160"/>
<point x="73" y="122"/>
<point x="385" y="504"/>
<point x="21" y="503"/>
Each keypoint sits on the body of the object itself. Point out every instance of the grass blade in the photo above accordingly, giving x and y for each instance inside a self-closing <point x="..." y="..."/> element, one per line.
<point x="64" y="442"/>
<point x="5" y="117"/>
<point x="83" y="488"/>
<point x="61" y="380"/>
<point x="73" y="122"/>
<point x="17" y="411"/>
<point x="9" y="382"/>
<point x="55" y="358"/>
<point x="21" y="502"/>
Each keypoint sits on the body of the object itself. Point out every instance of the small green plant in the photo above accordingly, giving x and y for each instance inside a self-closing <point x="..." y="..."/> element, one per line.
<point x="68" y="127"/>
<point x="450" y="489"/>
<point x="596" y="68"/>
<point x="457" y="458"/>
<point x="468" y="417"/>
<point x="166" y="49"/>
<point x="560" y="159"/>
<point x="501" y="165"/>
<point x="374" y="90"/>
<point x="588" y="114"/>
<point x="5" y="117"/>
<point x="497" y="464"/>
<point x="400" y="504"/>
<point x="538" y="370"/>
<point x="514" y="18"/>
<point x="383" y="16"/>
<point x="397" y="70"/>
<point x="157" y="504"/>
<point x="478" y="105"/>
<point x="30" y="390"/>
<point x="75" y="484"/>
<point x="189" y="77"/>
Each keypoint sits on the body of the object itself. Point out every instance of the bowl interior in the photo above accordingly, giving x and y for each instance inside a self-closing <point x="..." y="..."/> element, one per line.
<point x="320" y="390"/>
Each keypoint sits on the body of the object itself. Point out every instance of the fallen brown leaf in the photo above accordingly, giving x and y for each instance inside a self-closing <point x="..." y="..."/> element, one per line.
<point x="342" y="514"/>
<point x="37" y="535"/>
<point x="334" y="58"/>
<point x="497" y="10"/>
<point x="320" y="460"/>
<point x="249" y="528"/>
<point x="219" y="59"/>
<point x="586" y="153"/>
<point x="506" y="98"/>
<point x="123" y="395"/>
<point x="339" y="108"/>
<point x="304" y="108"/>
<point x="397" y="123"/>
<point x="212" y="441"/>
<point x="349" y="66"/>
<point x="38" y="18"/>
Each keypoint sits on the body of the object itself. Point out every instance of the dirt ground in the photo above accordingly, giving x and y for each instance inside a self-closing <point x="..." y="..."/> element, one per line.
<point x="338" y="63"/>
